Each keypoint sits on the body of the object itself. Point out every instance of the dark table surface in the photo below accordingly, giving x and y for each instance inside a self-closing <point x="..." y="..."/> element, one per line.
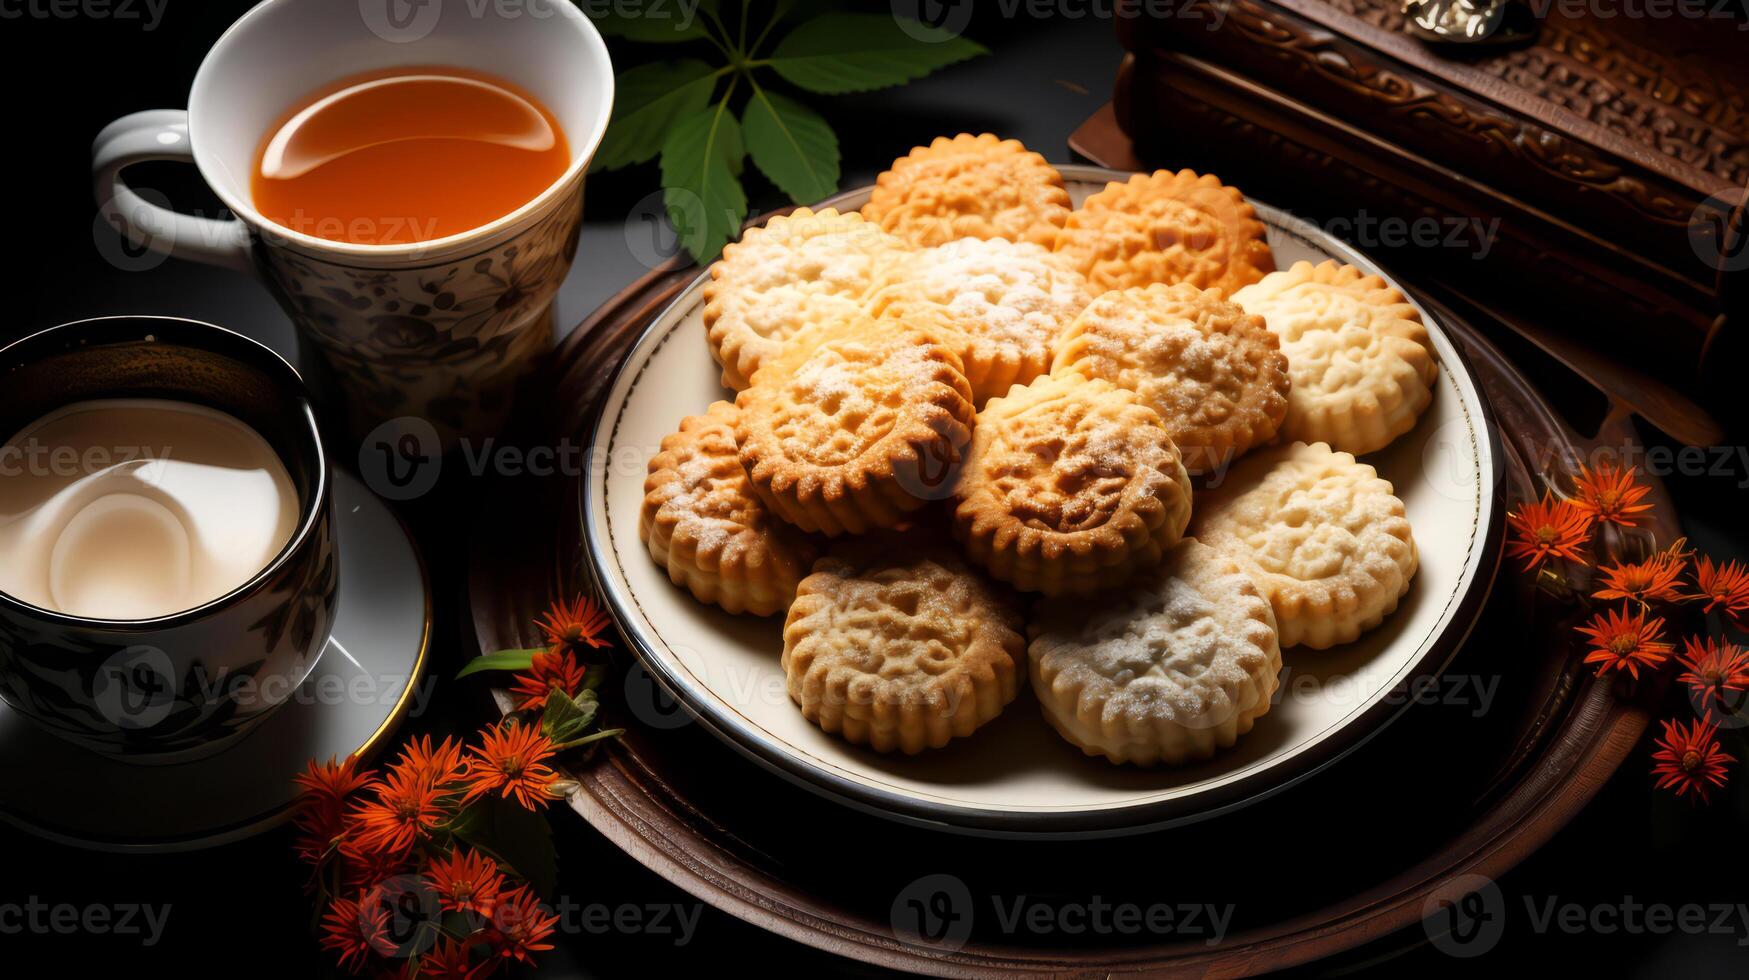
<point x="238" y="910"/>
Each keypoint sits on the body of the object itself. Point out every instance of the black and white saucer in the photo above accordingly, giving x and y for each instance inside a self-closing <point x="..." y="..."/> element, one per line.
<point x="369" y="676"/>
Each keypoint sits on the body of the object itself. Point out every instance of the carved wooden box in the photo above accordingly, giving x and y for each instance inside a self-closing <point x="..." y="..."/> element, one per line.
<point x="1584" y="186"/>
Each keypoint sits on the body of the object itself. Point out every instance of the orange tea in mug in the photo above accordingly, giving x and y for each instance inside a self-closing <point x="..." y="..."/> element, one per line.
<point x="407" y="156"/>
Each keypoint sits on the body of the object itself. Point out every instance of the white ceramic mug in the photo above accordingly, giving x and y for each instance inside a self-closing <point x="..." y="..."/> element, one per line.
<point x="441" y="329"/>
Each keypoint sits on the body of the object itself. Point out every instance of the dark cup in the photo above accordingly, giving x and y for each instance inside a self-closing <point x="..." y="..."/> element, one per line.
<point x="175" y="687"/>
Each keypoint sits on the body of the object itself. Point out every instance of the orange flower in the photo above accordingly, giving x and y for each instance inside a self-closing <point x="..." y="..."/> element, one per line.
<point x="1715" y="668"/>
<point x="1621" y="641"/>
<point x="1653" y="580"/>
<point x="321" y="812"/>
<point x="1690" y="760"/>
<point x="520" y="926"/>
<point x="1725" y="587"/>
<point x="574" y="626"/>
<point x="363" y="867"/>
<point x="510" y="761"/>
<point x="547" y="670"/>
<point x="1548" y="529"/>
<point x="448" y="960"/>
<point x="431" y="767"/>
<point x="466" y="882"/>
<point x="1610" y="494"/>
<point x="404" y="809"/>
<point x="356" y="928"/>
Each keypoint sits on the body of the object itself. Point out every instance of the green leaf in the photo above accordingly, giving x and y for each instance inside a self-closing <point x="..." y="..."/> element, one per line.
<point x="521" y="838"/>
<point x="704" y="198"/>
<point x="502" y="660"/>
<point x="565" y="717"/>
<point x="792" y="145"/>
<point x="836" y="53"/>
<point x="647" y="100"/>
<point x="650" y="21"/>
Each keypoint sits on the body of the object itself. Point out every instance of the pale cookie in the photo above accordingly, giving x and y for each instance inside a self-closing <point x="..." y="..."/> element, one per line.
<point x="796" y="271"/>
<point x="1071" y="485"/>
<point x="970" y="187"/>
<point x="858" y="431"/>
<point x="1009" y="302"/>
<point x="1213" y="372"/>
<point x="703" y="523"/>
<point x="1361" y="361"/>
<point x="1170" y="669"/>
<point x="899" y="645"/>
<point x="1324" y="538"/>
<point x="1167" y="227"/>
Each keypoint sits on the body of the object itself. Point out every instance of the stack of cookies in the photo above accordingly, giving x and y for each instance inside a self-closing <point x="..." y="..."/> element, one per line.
<point x="963" y="437"/>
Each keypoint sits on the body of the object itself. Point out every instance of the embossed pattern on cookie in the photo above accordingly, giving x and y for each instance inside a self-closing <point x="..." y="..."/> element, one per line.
<point x="797" y="271"/>
<point x="1008" y="301"/>
<point x="1325" y="539"/>
<point x="704" y="525"/>
<point x="858" y="431"/>
<point x="1168" y="228"/>
<point x="970" y="187"/>
<point x="1361" y="360"/>
<point x="898" y="645"/>
<point x="1169" y="669"/>
<point x="1070" y="486"/>
<point x="1213" y="372"/>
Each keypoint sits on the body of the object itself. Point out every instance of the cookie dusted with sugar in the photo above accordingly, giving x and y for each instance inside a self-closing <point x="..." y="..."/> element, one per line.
<point x="704" y="525"/>
<point x="859" y="431"/>
<point x="1167" y="227"/>
<point x="797" y="271"/>
<point x="1008" y="302"/>
<point x="1071" y="485"/>
<point x="1361" y="360"/>
<point x="1170" y="669"/>
<point x="970" y="187"/>
<point x="1325" y="539"/>
<point x="896" y="644"/>
<point x="1213" y="372"/>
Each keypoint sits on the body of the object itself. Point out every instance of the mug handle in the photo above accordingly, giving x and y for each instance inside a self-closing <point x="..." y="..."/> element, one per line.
<point x="161" y="134"/>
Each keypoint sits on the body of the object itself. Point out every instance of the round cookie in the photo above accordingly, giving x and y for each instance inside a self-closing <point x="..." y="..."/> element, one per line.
<point x="796" y="271"/>
<point x="1170" y="669"/>
<point x="703" y="523"/>
<point x="899" y="645"/>
<point x="1070" y="486"/>
<point x="1167" y="227"/>
<point x="858" y="431"/>
<point x="970" y="187"/>
<point x="1009" y="301"/>
<point x="1325" y="539"/>
<point x="1213" y="372"/>
<point x="1361" y="361"/>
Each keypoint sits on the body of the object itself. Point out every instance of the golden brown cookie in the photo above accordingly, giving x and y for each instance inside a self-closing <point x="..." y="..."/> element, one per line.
<point x="858" y="431"/>
<point x="1361" y="360"/>
<point x="796" y="271"/>
<point x="1214" y="373"/>
<point x="970" y="187"/>
<point x="1071" y="485"/>
<point x="897" y="644"/>
<point x="703" y="523"/>
<point x="1168" y="228"/>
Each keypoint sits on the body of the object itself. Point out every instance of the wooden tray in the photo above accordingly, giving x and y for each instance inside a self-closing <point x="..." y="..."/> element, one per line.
<point x="1359" y="851"/>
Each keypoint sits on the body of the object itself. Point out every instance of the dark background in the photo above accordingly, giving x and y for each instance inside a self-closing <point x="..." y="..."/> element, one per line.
<point x="239" y="909"/>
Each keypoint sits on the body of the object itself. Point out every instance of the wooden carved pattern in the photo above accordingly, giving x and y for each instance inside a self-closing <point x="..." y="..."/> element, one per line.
<point x="1506" y="145"/>
<point x="1632" y="90"/>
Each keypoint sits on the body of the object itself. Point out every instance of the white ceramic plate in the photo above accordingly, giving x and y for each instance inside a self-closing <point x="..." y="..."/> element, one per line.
<point x="1016" y="776"/>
